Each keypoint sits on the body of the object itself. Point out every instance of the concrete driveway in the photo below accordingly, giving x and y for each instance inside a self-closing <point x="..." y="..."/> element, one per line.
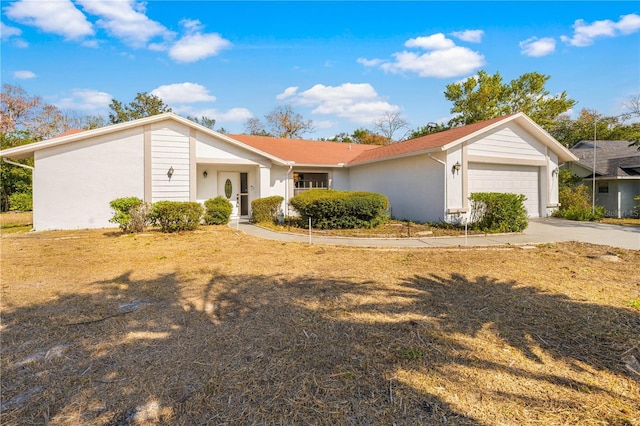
<point x="539" y="231"/>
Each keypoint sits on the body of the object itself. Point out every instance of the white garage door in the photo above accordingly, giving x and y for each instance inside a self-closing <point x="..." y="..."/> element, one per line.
<point x="506" y="178"/>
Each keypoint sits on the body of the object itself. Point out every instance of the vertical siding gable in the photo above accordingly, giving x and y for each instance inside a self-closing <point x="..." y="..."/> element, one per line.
<point x="170" y="149"/>
<point x="508" y="142"/>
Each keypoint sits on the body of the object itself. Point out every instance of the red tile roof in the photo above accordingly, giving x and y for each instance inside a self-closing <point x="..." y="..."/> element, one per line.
<point x="69" y="132"/>
<point x="304" y="151"/>
<point x="332" y="153"/>
<point x="424" y="143"/>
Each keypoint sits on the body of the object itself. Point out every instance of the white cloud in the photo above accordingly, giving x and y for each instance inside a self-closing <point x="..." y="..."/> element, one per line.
<point x="195" y="45"/>
<point x="443" y="58"/>
<point x="470" y="36"/>
<point x="85" y="100"/>
<point x="433" y="42"/>
<point x="126" y="20"/>
<point x="7" y="32"/>
<point x="192" y="48"/>
<point x="58" y="17"/>
<point x="183" y="93"/>
<point x="440" y="63"/>
<point x="182" y="96"/>
<point x="359" y="103"/>
<point x="288" y="92"/>
<point x="369" y="62"/>
<point x="538" y="47"/>
<point x="24" y="75"/>
<point x="628" y="24"/>
<point x="584" y="34"/>
<point x="233" y="115"/>
<point x="20" y="43"/>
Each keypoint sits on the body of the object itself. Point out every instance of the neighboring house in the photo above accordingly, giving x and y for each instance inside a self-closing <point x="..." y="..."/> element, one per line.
<point x="167" y="157"/>
<point x="617" y="174"/>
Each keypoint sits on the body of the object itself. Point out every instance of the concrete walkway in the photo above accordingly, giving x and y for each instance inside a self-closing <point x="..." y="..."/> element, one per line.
<point x="539" y="231"/>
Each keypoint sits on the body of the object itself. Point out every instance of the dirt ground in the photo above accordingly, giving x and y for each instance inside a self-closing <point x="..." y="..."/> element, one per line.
<point x="216" y="327"/>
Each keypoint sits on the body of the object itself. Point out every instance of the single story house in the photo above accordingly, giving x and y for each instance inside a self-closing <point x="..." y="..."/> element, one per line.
<point x="616" y="174"/>
<point x="168" y="157"/>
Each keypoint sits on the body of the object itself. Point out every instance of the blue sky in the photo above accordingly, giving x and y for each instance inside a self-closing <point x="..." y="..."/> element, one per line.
<point x="341" y="64"/>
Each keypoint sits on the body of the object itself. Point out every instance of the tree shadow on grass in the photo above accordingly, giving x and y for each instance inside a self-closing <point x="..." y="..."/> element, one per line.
<point x="258" y="349"/>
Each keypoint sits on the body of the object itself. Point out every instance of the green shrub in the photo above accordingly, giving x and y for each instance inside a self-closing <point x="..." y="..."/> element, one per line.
<point x="21" y="201"/>
<point x="498" y="212"/>
<point x="575" y="204"/>
<point x="636" y="209"/>
<point x="331" y="209"/>
<point x="217" y="211"/>
<point x="265" y="209"/>
<point x="130" y="213"/>
<point x="174" y="216"/>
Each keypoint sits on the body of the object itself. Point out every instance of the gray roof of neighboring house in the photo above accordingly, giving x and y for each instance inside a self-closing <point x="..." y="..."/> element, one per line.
<point x="613" y="158"/>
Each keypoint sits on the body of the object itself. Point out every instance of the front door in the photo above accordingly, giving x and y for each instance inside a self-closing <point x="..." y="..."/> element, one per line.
<point x="229" y="187"/>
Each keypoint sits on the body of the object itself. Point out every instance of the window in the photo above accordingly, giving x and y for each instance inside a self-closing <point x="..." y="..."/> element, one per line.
<point x="305" y="181"/>
<point x="603" y="187"/>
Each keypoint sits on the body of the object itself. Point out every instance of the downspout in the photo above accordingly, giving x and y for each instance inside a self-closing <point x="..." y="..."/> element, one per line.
<point x="13" y="163"/>
<point x="445" y="182"/>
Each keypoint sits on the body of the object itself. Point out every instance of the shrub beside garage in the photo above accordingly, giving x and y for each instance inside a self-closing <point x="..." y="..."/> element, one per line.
<point x="498" y="212"/>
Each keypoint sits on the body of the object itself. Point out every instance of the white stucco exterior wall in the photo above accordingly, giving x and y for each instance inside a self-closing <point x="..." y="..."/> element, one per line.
<point x="340" y="179"/>
<point x="74" y="183"/>
<point x="414" y="186"/>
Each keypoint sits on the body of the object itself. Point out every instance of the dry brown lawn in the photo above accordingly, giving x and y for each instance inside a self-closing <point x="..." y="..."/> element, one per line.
<point x="216" y="327"/>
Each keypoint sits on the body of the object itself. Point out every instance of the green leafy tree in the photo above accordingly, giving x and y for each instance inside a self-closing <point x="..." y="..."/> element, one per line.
<point x="569" y="131"/>
<point x="367" y="137"/>
<point x="203" y="121"/>
<point x="143" y="105"/>
<point x="427" y="129"/>
<point x="485" y="96"/>
<point x="14" y="179"/>
<point x="343" y="137"/>
<point x="361" y="136"/>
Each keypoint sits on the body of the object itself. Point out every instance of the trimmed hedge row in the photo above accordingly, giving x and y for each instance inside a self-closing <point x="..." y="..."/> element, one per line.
<point x="134" y="215"/>
<point x="265" y="209"/>
<point x="498" y="212"/>
<point x="332" y="209"/>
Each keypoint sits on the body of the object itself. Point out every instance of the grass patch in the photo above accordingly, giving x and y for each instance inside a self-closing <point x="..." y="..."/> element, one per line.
<point x="16" y="222"/>
<point x="217" y="327"/>
<point x="623" y="222"/>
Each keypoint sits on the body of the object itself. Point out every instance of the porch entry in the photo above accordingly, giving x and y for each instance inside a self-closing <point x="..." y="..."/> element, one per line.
<point x="234" y="187"/>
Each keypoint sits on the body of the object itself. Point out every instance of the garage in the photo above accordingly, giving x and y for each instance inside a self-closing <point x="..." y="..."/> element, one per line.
<point x="515" y="179"/>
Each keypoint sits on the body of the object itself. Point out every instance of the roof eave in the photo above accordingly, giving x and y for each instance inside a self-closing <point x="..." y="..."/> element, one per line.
<point x="563" y="153"/>
<point x="27" y="151"/>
